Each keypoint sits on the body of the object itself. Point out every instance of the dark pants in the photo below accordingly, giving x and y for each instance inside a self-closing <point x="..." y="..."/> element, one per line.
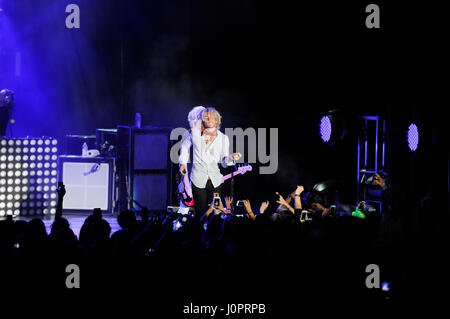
<point x="203" y="197"/>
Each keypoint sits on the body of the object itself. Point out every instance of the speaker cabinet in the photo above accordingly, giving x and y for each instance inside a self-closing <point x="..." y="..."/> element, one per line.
<point x="89" y="183"/>
<point x="145" y="169"/>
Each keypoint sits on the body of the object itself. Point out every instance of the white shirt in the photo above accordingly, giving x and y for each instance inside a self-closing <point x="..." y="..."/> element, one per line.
<point x="206" y="158"/>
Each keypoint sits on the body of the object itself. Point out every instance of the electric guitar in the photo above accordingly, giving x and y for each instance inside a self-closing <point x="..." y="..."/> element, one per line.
<point x="189" y="201"/>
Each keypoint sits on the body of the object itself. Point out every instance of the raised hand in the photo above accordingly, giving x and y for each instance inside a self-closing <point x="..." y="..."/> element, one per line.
<point x="299" y="190"/>
<point x="228" y="202"/>
<point x="264" y="206"/>
<point x="247" y="206"/>
<point x="281" y="200"/>
<point x="377" y="179"/>
<point x="61" y="190"/>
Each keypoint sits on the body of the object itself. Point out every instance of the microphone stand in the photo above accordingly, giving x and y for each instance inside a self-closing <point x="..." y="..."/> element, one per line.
<point x="232" y="180"/>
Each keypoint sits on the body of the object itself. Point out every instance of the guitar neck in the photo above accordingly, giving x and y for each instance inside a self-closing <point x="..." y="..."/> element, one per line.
<point x="228" y="176"/>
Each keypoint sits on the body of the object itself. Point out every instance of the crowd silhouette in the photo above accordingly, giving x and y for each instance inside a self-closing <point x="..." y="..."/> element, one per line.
<point x="231" y="250"/>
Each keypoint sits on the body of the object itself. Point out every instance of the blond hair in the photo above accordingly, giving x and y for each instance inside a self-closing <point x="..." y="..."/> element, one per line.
<point x="216" y="114"/>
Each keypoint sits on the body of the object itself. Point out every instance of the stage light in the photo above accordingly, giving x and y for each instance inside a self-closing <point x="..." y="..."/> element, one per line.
<point x="325" y="128"/>
<point x="2" y="213"/>
<point x="412" y="137"/>
<point x="17" y="173"/>
<point x="3" y="150"/>
<point x="333" y="126"/>
<point x="2" y="205"/>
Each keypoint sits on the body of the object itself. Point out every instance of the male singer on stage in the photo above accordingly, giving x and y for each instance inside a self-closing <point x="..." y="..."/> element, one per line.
<point x="210" y="147"/>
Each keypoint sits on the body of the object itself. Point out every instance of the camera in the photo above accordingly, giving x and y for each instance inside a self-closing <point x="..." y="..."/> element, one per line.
<point x="217" y="200"/>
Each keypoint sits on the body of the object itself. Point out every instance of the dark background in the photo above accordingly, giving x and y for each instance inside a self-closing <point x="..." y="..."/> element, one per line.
<point x="261" y="63"/>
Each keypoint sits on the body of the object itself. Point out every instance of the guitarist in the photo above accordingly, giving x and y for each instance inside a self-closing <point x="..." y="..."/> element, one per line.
<point x="210" y="147"/>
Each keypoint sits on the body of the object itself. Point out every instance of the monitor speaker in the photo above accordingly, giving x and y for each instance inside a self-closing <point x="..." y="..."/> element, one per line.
<point x="89" y="183"/>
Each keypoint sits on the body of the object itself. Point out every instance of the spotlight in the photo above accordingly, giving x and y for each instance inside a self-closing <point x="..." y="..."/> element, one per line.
<point x="333" y="127"/>
<point x="412" y="136"/>
<point x="325" y="128"/>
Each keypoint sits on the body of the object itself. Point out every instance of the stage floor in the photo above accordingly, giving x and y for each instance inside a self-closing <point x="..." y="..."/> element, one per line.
<point x="75" y="221"/>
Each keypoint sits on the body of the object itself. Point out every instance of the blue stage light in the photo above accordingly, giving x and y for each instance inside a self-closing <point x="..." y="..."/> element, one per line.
<point x="413" y="137"/>
<point x="325" y="128"/>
